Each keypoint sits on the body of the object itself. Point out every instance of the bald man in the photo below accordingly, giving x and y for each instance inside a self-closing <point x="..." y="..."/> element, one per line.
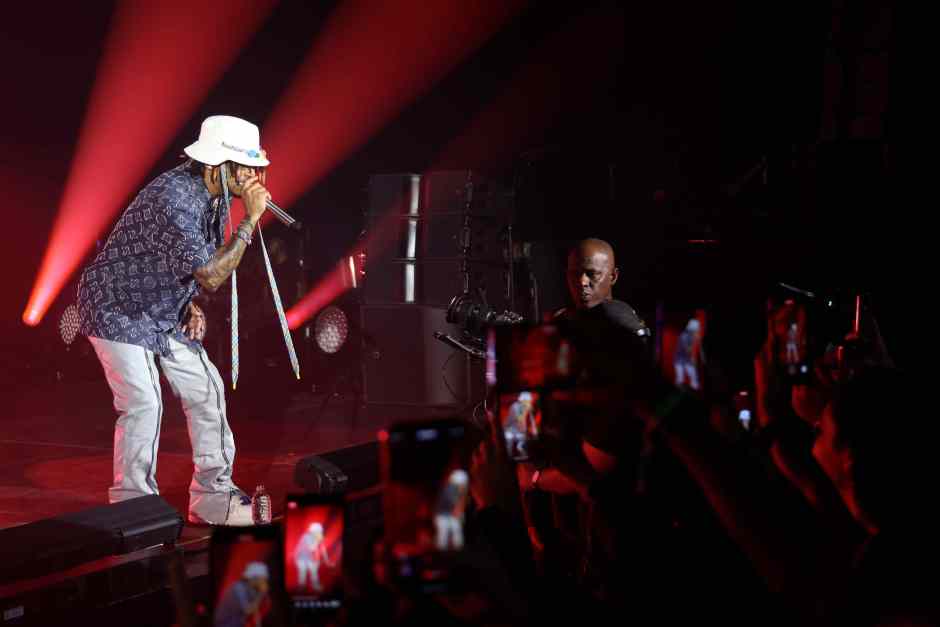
<point x="605" y="439"/>
<point x="591" y="275"/>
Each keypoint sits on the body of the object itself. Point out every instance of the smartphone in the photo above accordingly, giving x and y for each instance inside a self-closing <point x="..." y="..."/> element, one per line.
<point x="244" y="570"/>
<point x="521" y="418"/>
<point x="314" y="529"/>
<point x="788" y="324"/>
<point x="680" y="333"/>
<point x="426" y="490"/>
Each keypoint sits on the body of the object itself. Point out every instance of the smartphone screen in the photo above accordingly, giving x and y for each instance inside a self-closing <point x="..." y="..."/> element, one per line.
<point x="244" y="568"/>
<point x="314" y="528"/>
<point x="521" y="417"/>
<point x="789" y="326"/>
<point x="681" y="333"/>
<point x="426" y="490"/>
<point x="811" y="330"/>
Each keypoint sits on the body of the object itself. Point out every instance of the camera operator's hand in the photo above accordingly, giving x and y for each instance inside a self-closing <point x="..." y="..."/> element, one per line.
<point x="770" y="390"/>
<point x="556" y="481"/>
<point x="777" y="398"/>
<point x="808" y="401"/>
<point x="493" y="481"/>
<point x="525" y="472"/>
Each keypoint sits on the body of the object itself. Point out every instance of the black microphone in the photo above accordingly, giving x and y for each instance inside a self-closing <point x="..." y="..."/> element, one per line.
<point x="282" y="215"/>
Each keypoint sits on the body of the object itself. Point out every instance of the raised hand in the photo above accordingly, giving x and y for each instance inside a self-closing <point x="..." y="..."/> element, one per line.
<point x="493" y="479"/>
<point x="195" y="325"/>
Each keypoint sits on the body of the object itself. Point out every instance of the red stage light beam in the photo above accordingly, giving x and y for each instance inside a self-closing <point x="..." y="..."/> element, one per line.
<point x="562" y="76"/>
<point x="328" y="289"/>
<point x="372" y="59"/>
<point x="158" y="64"/>
<point x="553" y="77"/>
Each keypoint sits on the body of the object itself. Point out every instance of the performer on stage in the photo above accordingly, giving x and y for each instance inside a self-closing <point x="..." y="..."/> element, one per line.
<point x="449" y="511"/>
<point x="246" y="602"/>
<point x="136" y="307"/>
<point x="688" y="356"/>
<point x="309" y="555"/>
<point x="521" y="424"/>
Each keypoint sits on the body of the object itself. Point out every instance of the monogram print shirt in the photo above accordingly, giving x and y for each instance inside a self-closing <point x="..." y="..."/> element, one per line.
<point x="139" y="285"/>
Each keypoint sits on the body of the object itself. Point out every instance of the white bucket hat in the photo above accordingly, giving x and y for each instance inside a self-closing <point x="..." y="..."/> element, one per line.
<point x="255" y="569"/>
<point x="225" y="138"/>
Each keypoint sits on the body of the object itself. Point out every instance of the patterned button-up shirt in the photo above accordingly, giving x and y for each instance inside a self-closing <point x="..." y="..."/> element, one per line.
<point x="138" y="287"/>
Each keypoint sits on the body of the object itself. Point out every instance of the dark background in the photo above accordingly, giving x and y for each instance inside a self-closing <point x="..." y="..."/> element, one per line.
<point x="660" y="118"/>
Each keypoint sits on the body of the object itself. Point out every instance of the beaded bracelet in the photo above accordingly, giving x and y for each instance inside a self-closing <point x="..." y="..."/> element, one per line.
<point x="240" y="234"/>
<point x="244" y="231"/>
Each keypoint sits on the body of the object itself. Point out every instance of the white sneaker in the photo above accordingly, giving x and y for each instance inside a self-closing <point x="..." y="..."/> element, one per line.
<point x="239" y="513"/>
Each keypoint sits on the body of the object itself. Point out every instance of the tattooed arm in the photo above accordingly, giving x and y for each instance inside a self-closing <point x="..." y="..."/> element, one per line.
<point x="227" y="258"/>
<point x="224" y="260"/>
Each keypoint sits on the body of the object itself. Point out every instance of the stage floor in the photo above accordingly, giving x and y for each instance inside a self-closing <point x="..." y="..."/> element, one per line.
<point x="56" y="444"/>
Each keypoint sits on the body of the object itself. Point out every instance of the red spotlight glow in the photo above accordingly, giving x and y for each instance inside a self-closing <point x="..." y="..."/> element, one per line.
<point x="554" y="80"/>
<point x="158" y="64"/>
<point x="552" y="77"/>
<point x="372" y="59"/>
<point x="326" y="291"/>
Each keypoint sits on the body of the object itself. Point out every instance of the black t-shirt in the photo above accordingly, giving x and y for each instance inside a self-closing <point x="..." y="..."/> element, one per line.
<point x="611" y="431"/>
<point x="615" y="311"/>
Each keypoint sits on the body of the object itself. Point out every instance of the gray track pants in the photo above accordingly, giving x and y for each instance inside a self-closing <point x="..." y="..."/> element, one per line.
<point x="135" y="382"/>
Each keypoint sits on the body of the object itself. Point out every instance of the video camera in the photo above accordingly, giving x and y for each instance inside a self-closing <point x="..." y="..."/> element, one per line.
<point x="474" y="317"/>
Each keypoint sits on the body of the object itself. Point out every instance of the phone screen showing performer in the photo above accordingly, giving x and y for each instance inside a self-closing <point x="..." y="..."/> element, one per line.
<point x="426" y="490"/>
<point x="681" y="335"/>
<point x="789" y="325"/>
<point x="245" y="574"/>
<point x="521" y="419"/>
<point x="314" y="527"/>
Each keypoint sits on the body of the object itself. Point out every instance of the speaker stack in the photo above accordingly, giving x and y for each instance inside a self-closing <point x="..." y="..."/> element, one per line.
<point x="430" y="237"/>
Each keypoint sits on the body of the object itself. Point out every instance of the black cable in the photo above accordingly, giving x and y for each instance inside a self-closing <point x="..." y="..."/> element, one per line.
<point x="444" y="377"/>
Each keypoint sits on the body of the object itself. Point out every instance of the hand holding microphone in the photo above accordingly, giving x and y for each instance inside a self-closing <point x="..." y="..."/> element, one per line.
<point x="257" y="199"/>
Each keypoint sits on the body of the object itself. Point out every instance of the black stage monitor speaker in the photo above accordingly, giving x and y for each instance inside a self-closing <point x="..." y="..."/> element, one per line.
<point x="348" y="469"/>
<point x="54" y="544"/>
